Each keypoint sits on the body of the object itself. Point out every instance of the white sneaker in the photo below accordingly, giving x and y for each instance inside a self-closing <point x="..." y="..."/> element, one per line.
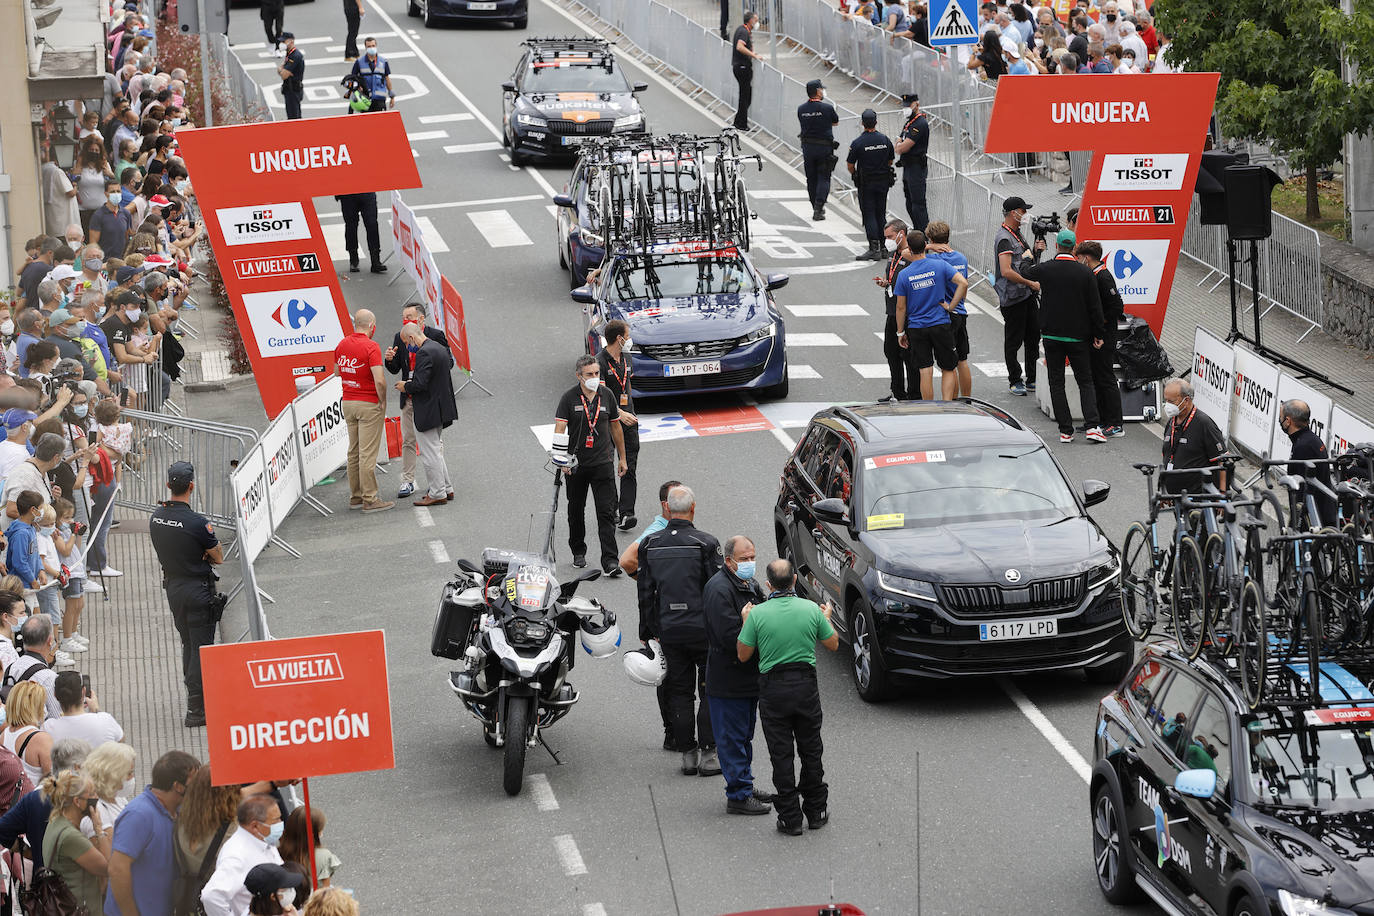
<point x="79" y="638"/>
<point x="110" y="572"/>
<point x="64" y="659"/>
<point x="93" y="586"/>
<point x="70" y="645"/>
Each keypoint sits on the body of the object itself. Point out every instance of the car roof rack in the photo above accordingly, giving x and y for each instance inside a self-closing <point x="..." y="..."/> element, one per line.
<point x="1344" y="681"/>
<point x="597" y="51"/>
<point x="860" y="425"/>
<point x="993" y="409"/>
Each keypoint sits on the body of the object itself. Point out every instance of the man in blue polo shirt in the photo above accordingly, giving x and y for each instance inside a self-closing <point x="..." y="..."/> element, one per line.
<point x="924" y="302"/>
<point x="938" y="247"/>
<point x="143" y="863"/>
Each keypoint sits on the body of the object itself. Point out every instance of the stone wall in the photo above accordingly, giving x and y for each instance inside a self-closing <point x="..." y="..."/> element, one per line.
<point x="1348" y="291"/>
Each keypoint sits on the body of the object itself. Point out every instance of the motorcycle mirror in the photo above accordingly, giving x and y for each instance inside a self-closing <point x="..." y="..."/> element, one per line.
<point x="568" y="589"/>
<point x="468" y="566"/>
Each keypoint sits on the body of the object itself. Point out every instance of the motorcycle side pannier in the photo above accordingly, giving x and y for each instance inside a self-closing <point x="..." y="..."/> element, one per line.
<point x="457" y="611"/>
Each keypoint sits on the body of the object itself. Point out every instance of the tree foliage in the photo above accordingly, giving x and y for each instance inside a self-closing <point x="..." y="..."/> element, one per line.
<point x="1280" y="66"/>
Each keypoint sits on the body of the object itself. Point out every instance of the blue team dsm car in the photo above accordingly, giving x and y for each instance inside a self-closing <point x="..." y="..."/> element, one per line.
<point x="701" y="317"/>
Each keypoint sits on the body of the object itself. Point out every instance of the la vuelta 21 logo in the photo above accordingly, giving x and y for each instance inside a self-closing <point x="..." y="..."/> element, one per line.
<point x="1141" y="180"/>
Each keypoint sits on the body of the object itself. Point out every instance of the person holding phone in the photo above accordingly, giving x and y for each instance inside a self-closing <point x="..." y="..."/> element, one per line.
<point x="81" y="714"/>
<point x="82" y="863"/>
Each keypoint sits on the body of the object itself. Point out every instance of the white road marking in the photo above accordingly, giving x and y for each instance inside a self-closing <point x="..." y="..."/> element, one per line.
<point x="833" y="225"/>
<point x="423" y="517"/>
<point x="1046" y="728"/>
<point x="542" y="792"/>
<point x="781" y="194"/>
<point x="438" y="552"/>
<point x="802" y="372"/>
<point x="783" y="438"/>
<point x="822" y="339"/>
<point x="566" y="847"/>
<point x="259" y="45"/>
<point x="992" y="370"/>
<point x="871" y="370"/>
<point x="427" y="135"/>
<point x="499" y="229"/>
<point x="472" y="147"/>
<point x="334" y="240"/>
<point x="445" y="118"/>
<point x="827" y="311"/>
<point x="264" y="65"/>
<point x="593" y="909"/>
<point x="431" y="235"/>
<point x="448" y="84"/>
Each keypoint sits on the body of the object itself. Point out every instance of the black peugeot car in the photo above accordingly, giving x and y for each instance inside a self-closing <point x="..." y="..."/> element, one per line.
<point x="563" y="91"/>
<point x="951" y="544"/>
<point x="1206" y="807"/>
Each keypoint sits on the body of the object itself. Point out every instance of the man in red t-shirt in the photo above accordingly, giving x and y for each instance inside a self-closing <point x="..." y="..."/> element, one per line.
<point x="358" y="361"/>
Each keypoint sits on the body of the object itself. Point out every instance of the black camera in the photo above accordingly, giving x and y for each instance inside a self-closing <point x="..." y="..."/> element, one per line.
<point x="1045" y="225"/>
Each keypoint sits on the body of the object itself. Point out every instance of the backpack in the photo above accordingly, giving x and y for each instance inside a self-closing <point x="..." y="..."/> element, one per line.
<point x="8" y="683"/>
<point x="14" y="782"/>
<point x="48" y="895"/>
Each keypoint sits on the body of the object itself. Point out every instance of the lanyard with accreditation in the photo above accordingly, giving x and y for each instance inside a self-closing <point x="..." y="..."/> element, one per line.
<point x="1174" y="430"/>
<point x="590" y="417"/>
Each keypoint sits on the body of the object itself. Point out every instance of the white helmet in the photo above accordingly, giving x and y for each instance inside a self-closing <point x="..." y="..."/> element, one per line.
<point x="600" y="640"/>
<point x="647" y="666"/>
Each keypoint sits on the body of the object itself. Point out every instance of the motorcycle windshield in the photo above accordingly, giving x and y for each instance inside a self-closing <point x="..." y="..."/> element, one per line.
<point x="533" y="587"/>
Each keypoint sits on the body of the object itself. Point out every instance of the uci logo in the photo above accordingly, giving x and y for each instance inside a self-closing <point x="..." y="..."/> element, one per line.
<point x="262" y="214"/>
<point x="299" y="313"/>
<point x="1125" y="264"/>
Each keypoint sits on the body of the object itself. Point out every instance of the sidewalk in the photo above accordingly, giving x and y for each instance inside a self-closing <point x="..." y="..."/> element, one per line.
<point x="1193" y="302"/>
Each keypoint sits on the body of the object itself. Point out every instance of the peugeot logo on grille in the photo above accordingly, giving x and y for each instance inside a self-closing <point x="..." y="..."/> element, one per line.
<point x="690" y="349"/>
<point x="1013" y="575"/>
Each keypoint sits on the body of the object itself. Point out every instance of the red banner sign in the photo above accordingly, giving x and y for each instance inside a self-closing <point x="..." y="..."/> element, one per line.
<point x="455" y="326"/>
<point x="255" y="184"/>
<point x="1356" y="716"/>
<point x="284" y="708"/>
<point x="1147" y="132"/>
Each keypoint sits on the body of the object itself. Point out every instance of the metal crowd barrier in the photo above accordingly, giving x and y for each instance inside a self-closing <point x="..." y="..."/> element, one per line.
<point x="243" y="99"/>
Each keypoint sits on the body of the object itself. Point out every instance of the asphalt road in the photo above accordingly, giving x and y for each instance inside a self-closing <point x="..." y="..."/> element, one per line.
<point x="963" y="798"/>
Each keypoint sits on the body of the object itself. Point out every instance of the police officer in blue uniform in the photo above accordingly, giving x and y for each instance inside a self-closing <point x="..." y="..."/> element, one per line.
<point x="188" y="551"/>
<point x="911" y="150"/>
<point x="870" y="164"/>
<point x="818" y="119"/>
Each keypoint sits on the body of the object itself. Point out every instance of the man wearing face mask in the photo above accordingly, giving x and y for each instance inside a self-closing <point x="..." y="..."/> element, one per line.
<point x="127" y="307"/>
<point x="1016" y="297"/>
<point x="254" y="843"/>
<point x="358" y="361"/>
<point x="111" y="224"/>
<point x="292" y="73"/>
<point x="143" y="856"/>
<point x="1294" y="419"/>
<point x="1111" y="23"/>
<point x="1191" y="440"/>
<point x="400" y="359"/>
<point x="63" y="329"/>
<point x="586" y="427"/>
<point x="373" y="72"/>
<point x="614" y="362"/>
<point x="733" y="685"/>
<point x="430" y="389"/>
<point x="15" y="447"/>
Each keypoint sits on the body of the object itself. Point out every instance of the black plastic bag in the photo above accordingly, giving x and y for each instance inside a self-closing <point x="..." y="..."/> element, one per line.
<point x="1142" y="358"/>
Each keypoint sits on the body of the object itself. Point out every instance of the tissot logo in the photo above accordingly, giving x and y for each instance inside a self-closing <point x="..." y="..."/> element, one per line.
<point x="1154" y="172"/>
<point x="1145" y="163"/>
<point x="262" y="214"/>
<point x="270" y="223"/>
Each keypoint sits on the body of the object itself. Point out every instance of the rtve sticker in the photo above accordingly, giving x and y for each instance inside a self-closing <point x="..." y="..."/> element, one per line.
<point x="1142" y="172"/>
<point x="263" y="223"/>
<point x="1133" y="215"/>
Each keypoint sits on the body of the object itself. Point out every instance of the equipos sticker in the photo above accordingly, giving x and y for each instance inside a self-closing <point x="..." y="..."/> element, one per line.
<point x="887" y="461"/>
<point x="892" y="520"/>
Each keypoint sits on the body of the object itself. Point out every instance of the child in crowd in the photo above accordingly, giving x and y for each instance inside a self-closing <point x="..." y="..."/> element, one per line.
<point x="68" y="539"/>
<point x="116" y="438"/>
<point x="295" y="844"/>
<point x="21" y="552"/>
<point x="50" y="592"/>
<point x="140" y="343"/>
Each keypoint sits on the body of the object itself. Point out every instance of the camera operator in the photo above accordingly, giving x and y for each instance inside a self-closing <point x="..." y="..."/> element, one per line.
<point x="1016" y="296"/>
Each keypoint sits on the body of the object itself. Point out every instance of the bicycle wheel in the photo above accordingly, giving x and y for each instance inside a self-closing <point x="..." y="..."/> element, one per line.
<point x="1285" y="602"/>
<point x="1344" y="588"/>
<point x="1215" y="590"/>
<point x="1189" y="601"/>
<point x="1252" y="645"/>
<point x="1312" y="625"/>
<point x="742" y="210"/>
<point x="1139" y="600"/>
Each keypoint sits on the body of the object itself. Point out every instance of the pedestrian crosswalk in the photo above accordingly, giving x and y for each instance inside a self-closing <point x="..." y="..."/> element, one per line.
<point x="499" y="228"/>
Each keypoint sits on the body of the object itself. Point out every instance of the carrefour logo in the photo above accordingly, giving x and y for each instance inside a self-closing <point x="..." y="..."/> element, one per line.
<point x="1138" y="266"/>
<point x="294" y="314"/>
<point x="1125" y="264"/>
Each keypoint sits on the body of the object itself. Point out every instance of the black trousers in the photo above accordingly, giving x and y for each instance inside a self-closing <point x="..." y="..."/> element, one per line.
<point x="1056" y="351"/>
<point x="1021" y="327"/>
<point x="687" y="696"/>
<point x="902" y="386"/>
<point x="914" y="189"/>
<point x="293" y="103"/>
<point x="195" y="622"/>
<point x="744" y="75"/>
<point x="873" y="206"/>
<point x="816" y="163"/>
<point x="725" y="19"/>
<point x="353" y="16"/>
<point x="790" y="713"/>
<point x="629" y="484"/>
<point x="1104" y="378"/>
<point x="364" y="207"/>
<point x="273" y="21"/>
<point x="600" y="479"/>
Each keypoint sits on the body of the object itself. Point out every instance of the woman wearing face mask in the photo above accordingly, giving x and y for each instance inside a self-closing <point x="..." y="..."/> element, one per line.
<point x="40" y="359"/>
<point x="273" y="889"/>
<point x="111" y="769"/>
<point x="81" y="863"/>
<point x="204" y="821"/>
<point x="12" y="612"/>
<point x="91" y="172"/>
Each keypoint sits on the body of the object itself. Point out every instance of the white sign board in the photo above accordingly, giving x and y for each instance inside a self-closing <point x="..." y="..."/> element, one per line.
<point x="1213" y="367"/>
<point x="1347" y="430"/>
<point x="1319" y="404"/>
<point x="251" y="498"/>
<point x="320" y="430"/>
<point x="1254" y="401"/>
<point x="282" y="457"/>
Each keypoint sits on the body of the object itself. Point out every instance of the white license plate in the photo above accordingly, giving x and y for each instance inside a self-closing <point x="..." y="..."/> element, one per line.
<point x="705" y="368"/>
<point x="1035" y="628"/>
<point x="484" y="7"/>
<point x="572" y="141"/>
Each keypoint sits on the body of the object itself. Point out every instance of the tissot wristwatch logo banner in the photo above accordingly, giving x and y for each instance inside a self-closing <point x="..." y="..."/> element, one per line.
<point x="1147" y="172"/>
<point x="263" y="223"/>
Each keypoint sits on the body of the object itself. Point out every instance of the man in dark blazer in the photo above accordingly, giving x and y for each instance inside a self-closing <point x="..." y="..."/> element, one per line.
<point x="398" y="360"/>
<point x="430" y="388"/>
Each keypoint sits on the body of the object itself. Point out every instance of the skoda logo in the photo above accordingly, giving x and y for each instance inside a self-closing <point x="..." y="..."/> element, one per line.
<point x="295" y="314"/>
<point x="1013" y="575"/>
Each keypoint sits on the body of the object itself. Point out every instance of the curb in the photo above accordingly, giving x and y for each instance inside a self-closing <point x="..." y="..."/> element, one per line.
<point x="230" y="384"/>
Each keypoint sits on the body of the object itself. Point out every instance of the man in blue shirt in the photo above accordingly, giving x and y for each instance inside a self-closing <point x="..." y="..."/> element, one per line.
<point x="142" y="861"/>
<point x="923" y="306"/>
<point x="373" y="73"/>
<point x="938" y="247"/>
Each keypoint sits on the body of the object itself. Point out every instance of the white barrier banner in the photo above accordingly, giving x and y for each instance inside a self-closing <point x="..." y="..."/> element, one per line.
<point x="1254" y="402"/>
<point x="282" y="457"/>
<point x="1319" y="404"/>
<point x="320" y="430"/>
<point x="409" y="241"/>
<point x="251" y="498"/>
<point x="1213" y="367"/>
<point x="1347" y="430"/>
